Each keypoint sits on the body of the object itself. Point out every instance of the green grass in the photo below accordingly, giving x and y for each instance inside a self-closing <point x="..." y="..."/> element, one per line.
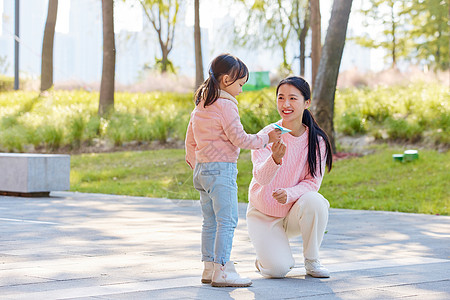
<point x="373" y="182"/>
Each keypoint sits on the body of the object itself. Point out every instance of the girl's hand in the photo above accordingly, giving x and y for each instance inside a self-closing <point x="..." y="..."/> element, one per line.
<point x="280" y="195"/>
<point x="274" y="135"/>
<point x="278" y="151"/>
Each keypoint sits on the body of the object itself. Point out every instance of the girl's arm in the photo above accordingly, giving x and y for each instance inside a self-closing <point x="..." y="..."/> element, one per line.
<point x="264" y="167"/>
<point x="234" y="130"/>
<point x="190" y="145"/>
<point x="309" y="183"/>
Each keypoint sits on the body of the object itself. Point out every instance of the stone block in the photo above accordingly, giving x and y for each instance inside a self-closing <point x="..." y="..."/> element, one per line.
<point x="34" y="173"/>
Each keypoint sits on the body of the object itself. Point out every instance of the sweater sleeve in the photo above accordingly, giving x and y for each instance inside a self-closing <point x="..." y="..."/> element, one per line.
<point x="234" y="130"/>
<point x="190" y="145"/>
<point x="309" y="183"/>
<point x="264" y="167"/>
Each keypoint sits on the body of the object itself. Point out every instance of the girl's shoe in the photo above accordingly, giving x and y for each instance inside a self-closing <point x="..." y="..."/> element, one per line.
<point x="227" y="276"/>
<point x="208" y="272"/>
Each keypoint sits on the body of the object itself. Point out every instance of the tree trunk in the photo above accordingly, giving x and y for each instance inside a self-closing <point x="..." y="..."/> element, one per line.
<point x="302" y="39"/>
<point x="316" y="43"/>
<point x="198" y="47"/>
<point x="47" y="46"/>
<point x="106" y="103"/>
<point x="164" y="59"/>
<point x="394" y="41"/>
<point x="325" y="85"/>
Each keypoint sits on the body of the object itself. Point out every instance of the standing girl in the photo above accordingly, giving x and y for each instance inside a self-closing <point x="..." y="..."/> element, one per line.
<point x="213" y="141"/>
<point x="283" y="196"/>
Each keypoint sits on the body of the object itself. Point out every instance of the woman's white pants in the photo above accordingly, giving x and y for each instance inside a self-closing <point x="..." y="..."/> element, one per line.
<point x="308" y="217"/>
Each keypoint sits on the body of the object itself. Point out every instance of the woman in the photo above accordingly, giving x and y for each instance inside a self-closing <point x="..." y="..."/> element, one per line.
<point x="283" y="197"/>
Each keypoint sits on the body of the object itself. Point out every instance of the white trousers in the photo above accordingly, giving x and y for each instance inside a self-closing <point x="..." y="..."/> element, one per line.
<point x="308" y="217"/>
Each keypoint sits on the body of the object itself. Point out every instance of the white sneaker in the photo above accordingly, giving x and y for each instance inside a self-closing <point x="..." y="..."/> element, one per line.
<point x="315" y="269"/>
<point x="227" y="276"/>
<point x="208" y="272"/>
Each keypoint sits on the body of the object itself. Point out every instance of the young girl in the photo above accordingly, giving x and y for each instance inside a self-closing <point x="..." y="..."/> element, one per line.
<point x="214" y="137"/>
<point x="283" y="196"/>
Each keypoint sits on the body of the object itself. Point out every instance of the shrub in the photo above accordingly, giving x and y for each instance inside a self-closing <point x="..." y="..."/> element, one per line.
<point x="51" y="136"/>
<point x="6" y="83"/>
<point x="351" y="124"/>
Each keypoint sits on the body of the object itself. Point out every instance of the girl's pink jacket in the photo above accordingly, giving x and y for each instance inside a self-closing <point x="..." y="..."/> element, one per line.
<point x="215" y="133"/>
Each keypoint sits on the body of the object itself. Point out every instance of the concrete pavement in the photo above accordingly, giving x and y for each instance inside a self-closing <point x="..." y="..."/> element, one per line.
<point x="94" y="246"/>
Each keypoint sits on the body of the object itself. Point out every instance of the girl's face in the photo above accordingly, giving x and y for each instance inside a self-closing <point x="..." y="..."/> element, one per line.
<point x="234" y="88"/>
<point x="291" y="103"/>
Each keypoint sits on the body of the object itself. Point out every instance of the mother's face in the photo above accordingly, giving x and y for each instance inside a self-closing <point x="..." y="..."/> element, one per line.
<point x="291" y="103"/>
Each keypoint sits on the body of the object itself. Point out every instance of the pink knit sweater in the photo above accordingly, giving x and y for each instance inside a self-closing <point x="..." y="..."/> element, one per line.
<point x="215" y="133"/>
<point x="291" y="175"/>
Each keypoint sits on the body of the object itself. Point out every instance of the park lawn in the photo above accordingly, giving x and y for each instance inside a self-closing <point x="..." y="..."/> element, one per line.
<point x="371" y="182"/>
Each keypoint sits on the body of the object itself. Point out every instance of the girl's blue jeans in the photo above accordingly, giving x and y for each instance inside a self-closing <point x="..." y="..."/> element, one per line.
<point x="216" y="182"/>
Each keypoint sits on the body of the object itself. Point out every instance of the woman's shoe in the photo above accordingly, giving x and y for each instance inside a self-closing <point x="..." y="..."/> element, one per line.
<point x="208" y="272"/>
<point x="226" y="276"/>
<point x="315" y="269"/>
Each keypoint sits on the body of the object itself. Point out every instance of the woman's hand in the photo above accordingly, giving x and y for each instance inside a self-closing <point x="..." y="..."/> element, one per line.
<point x="278" y="151"/>
<point x="280" y="195"/>
<point x="274" y="135"/>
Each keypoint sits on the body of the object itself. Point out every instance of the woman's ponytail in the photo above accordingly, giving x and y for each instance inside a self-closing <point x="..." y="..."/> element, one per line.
<point x="314" y="144"/>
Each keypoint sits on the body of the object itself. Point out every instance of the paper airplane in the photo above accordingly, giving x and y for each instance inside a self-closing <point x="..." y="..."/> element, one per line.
<point x="283" y="130"/>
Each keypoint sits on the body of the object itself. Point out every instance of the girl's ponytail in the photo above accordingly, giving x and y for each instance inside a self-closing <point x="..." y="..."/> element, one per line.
<point x="314" y="130"/>
<point x="224" y="64"/>
<point x="209" y="90"/>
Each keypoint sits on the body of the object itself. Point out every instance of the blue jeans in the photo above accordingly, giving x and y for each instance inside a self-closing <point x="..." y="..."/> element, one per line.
<point x="216" y="182"/>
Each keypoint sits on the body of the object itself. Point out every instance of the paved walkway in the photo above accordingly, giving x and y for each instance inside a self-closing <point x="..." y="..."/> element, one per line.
<point x="93" y="246"/>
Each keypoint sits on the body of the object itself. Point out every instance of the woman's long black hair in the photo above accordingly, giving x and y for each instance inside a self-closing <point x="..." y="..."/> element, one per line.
<point x="314" y="130"/>
<point x="224" y="64"/>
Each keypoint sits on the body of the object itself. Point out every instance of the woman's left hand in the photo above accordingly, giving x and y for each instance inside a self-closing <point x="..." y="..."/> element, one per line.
<point x="280" y="195"/>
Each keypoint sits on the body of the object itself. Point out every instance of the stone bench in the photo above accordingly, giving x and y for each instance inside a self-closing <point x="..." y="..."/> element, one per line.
<point x="26" y="174"/>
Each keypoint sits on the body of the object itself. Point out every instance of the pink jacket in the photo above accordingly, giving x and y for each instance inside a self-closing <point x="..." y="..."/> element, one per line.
<point x="215" y="133"/>
<point x="291" y="175"/>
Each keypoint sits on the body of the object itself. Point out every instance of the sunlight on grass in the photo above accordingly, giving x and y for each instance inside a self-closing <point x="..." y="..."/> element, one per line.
<point x="372" y="182"/>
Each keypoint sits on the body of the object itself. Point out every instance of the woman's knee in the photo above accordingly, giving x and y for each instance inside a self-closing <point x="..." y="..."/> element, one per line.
<point x="276" y="269"/>
<point x="314" y="202"/>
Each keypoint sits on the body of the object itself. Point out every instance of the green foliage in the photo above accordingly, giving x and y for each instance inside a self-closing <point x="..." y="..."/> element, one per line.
<point x="351" y="123"/>
<point x="372" y="182"/>
<point x="6" y="83"/>
<point x="430" y="31"/>
<point x="52" y="136"/>
<point x="267" y="22"/>
<point x="414" y="30"/>
<point x="69" y="119"/>
<point x="407" y="113"/>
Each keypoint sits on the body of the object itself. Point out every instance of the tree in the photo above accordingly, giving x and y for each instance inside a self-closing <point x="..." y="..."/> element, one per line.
<point x="430" y="32"/>
<point x="162" y="14"/>
<point x="325" y="85"/>
<point x="47" y="46"/>
<point x="106" y="103"/>
<point x="389" y="15"/>
<point x="316" y="38"/>
<point x="300" y="22"/>
<point x="267" y="22"/>
<point x="198" y="47"/>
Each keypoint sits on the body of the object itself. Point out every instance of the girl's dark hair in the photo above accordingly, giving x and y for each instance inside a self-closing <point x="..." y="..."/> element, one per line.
<point x="224" y="64"/>
<point x="314" y="130"/>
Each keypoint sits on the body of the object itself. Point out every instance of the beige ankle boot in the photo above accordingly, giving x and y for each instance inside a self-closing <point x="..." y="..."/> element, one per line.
<point x="227" y="276"/>
<point x="208" y="272"/>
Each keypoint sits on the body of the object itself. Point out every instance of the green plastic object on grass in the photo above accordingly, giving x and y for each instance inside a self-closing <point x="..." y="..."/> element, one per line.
<point x="257" y="81"/>
<point x="408" y="155"/>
